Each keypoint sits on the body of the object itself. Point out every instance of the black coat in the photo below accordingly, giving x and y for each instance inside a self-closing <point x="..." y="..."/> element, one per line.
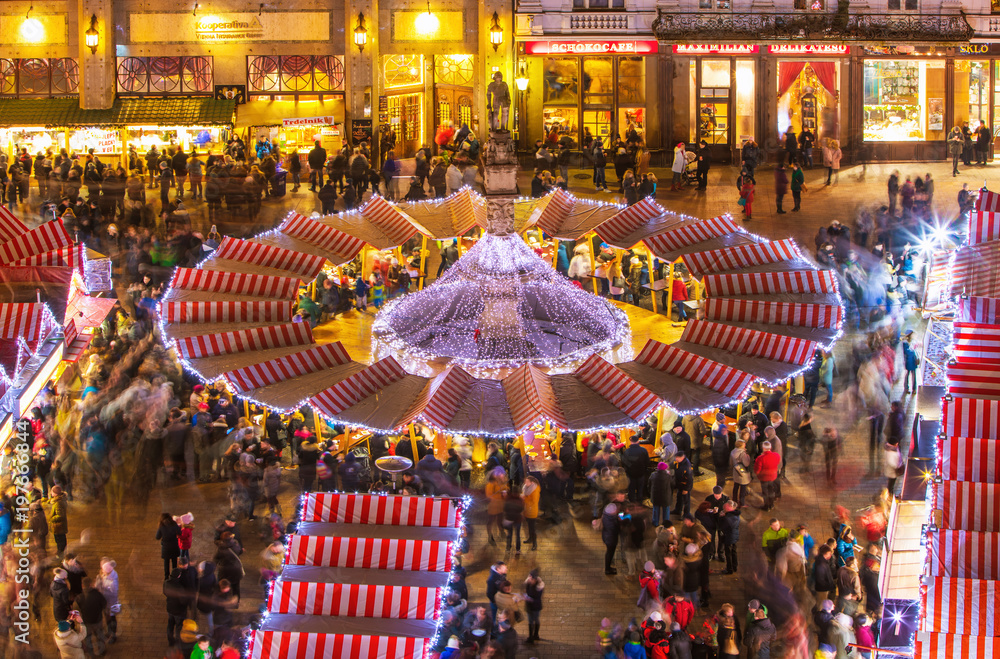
<point x="178" y="599"/>
<point x="61" y="600"/>
<point x="167" y="535"/>
<point x="729" y="527"/>
<point x="661" y="487"/>
<point x="680" y="645"/>
<point x="636" y="461"/>
<point x="683" y="476"/>
<point x="91" y="605"/>
<point x="823" y="579"/>
<point x="610" y="529"/>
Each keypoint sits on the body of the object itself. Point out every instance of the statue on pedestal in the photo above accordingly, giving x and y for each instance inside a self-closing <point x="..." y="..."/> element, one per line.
<point x="498" y="103"/>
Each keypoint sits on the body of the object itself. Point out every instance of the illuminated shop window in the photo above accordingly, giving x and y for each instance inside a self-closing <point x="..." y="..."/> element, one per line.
<point x="165" y="75"/>
<point x="294" y="74"/>
<point x="38" y="77"/>
<point x="403" y="70"/>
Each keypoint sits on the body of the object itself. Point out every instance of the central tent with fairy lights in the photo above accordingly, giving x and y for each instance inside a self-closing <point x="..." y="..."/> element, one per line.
<point x="501" y="341"/>
<point x="499" y="307"/>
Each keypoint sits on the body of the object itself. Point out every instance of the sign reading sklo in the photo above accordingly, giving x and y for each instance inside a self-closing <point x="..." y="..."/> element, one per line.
<point x="308" y="121"/>
<point x="590" y="47"/>
<point x="715" y="49"/>
<point x="808" y="49"/>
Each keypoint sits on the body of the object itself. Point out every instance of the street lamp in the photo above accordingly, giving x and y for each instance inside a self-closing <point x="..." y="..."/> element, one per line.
<point x="496" y="33"/>
<point x="521" y="81"/>
<point x="361" y="33"/>
<point x="92" y="37"/>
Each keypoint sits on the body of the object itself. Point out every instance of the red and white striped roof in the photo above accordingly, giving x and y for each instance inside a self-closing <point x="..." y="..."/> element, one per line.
<point x="976" y="271"/>
<point x="353" y="600"/>
<point x="969" y="459"/>
<point x="617" y="387"/>
<point x="337" y="246"/>
<point x="969" y="506"/>
<point x="978" y="380"/>
<point x="753" y="343"/>
<point x="305" y="266"/>
<point x="823" y="316"/>
<point x="308" y="361"/>
<point x="987" y="201"/>
<point x="340" y="508"/>
<point x="971" y="417"/>
<point x="448" y="390"/>
<point x="962" y="606"/>
<point x="268" y="644"/>
<point x="10" y="226"/>
<point x="247" y="340"/>
<point x="978" y="310"/>
<point x="67" y="257"/>
<point x="743" y="256"/>
<point x="349" y="392"/>
<point x="689" y="235"/>
<point x="531" y="398"/>
<point x="951" y="646"/>
<point x="561" y="215"/>
<point x="729" y="382"/>
<point x="370" y="553"/>
<point x="255" y="311"/>
<point x="49" y="237"/>
<point x="984" y="226"/>
<point x="618" y="228"/>
<point x="28" y="321"/>
<point x="235" y="283"/>
<point x="395" y="224"/>
<point x="976" y="343"/>
<point x="964" y="554"/>
<point x="769" y="283"/>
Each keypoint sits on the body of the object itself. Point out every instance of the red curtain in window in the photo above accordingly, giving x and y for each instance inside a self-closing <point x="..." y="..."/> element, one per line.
<point x="787" y="73"/>
<point x="827" y="74"/>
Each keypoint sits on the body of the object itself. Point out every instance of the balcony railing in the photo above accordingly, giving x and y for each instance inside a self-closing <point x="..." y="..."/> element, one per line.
<point x="861" y="28"/>
<point x="589" y="21"/>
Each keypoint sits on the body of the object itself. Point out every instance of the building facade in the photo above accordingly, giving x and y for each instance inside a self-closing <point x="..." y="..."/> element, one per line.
<point x="110" y="74"/>
<point x="887" y="78"/>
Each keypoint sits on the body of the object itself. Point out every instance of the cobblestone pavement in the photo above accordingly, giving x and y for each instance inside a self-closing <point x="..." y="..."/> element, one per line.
<point x="578" y="594"/>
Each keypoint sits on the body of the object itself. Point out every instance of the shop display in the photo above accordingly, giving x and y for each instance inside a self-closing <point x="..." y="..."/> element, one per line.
<point x="902" y="100"/>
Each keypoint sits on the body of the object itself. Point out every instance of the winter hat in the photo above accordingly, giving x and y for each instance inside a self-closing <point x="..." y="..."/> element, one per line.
<point x="828" y="606"/>
<point x="202" y="407"/>
<point x="186" y="518"/>
<point x="719" y="416"/>
<point x="691" y="549"/>
<point x="676" y="627"/>
<point x="753" y="605"/>
<point x="655" y="616"/>
<point x="453" y="642"/>
<point x="663" y="466"/>
<point x="610" y="509"/>
<point x="63" y="626"/>
<point x="649" y="567"/>
<point x="198" y="388"/>
<point x="678" y="424"/>
<point x="844" y="620"/>
<point x="717" y="490"/>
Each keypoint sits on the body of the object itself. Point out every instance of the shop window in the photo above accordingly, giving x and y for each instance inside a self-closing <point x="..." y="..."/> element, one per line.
<point x="631" y="80"/>
<point x="745" y="100"/>
<point x="598" y="124"/>
<point x="903" y="5"/>
<point x="904" y="100"/>
<point x="454" y="69"/>
<point x="561" y="80"/>
<point x="294" y="74"/>
<point x="714" y="5"/>
<point x="808" y="97"/>
<point x="560" y="121"/>
<point x="598" y="81"/>
<point x="811" y="5"/>
<point x="632" y="120"/>
<point x="403" y="70"/>
<point x="972" y="90"/>
<point x="598" y="4"/>
<point x="996" y="97"/>
<point x="165" y="75"/>
<point x="35" y="77"/>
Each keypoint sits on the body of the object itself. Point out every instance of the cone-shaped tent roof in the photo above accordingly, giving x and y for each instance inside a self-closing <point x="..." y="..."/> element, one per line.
<point x="501" y="306"/>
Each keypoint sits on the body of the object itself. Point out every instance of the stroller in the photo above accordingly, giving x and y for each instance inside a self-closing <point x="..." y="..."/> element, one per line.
<point x="690" y="174"/>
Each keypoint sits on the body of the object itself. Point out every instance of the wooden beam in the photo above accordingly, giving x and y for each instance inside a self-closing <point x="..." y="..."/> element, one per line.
<point x="670" y="291"/>
<point x="652" y="277"/>
<point x="423" y="262"/>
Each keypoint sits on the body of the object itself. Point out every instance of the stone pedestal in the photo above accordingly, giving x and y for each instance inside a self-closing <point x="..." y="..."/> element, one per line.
<point x="500" y="180"/>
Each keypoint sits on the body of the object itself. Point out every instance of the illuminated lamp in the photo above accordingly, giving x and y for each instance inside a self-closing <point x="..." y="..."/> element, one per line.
<point x="496" y="33"/>
<point x="361" y="33"/>
<point x="427" y="23"/>
<point x="92" y="37"/>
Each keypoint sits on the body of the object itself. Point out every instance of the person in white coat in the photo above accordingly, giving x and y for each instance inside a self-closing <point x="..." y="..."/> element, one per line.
<point x="69" y="635"/>
<point x="831" y="160"/>
<point x="106" y="583"/>
<point x="579" y="266"/>
<point x="680" y="162"/>
<point x="464" y="450"/>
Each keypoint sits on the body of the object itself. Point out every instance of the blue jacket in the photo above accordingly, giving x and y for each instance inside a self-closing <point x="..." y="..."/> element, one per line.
<point x="909" y="357"/>
<point x="5" y="525"/>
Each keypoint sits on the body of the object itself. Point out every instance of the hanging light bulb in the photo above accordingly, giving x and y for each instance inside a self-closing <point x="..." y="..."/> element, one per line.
<point x="427" y="23"/>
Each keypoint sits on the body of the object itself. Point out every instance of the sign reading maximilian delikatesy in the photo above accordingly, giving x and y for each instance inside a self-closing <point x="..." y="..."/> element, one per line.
<point x="229" y="27"/>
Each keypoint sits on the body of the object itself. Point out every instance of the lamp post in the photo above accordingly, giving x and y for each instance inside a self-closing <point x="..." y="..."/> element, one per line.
<point x="361" y="33"/>
<point x="521" y="84"/>
<point x="92" y="37"/>
<point x="496" y="32"/>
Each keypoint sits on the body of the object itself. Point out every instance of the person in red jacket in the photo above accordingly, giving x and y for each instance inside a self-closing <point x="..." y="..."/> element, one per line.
<point x="766" y="467"/>
<point x="680" y="609"/>
<point x="680" y="296"/>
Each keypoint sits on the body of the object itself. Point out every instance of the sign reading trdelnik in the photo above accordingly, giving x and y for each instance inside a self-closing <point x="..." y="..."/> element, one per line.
<point x="228" y="28"/>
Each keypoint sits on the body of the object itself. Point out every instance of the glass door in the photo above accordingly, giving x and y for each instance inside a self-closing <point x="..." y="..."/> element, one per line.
<point x="714" y="110"/>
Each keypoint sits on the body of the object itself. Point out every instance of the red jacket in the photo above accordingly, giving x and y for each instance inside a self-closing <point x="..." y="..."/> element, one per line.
<point x="766" y="467"/>
<point x="184" y="539"/>
<point x="681" y="612"/>
<point x="680" y="291"/>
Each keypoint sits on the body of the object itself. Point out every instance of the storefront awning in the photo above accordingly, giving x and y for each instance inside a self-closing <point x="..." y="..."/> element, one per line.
<point x="168" y="111"/>
<point x="273" y="113"/>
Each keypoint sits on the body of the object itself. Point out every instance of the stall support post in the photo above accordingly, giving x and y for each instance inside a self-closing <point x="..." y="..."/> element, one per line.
<point x="593" y="264"/>
<point x="246" y="409"/>
<point x="123" y="136"/>
<point x="423" y="262"/>
<point x="318" y="422"/>
<point x="652" y="278"/>
<point x="413" y="444"/>
<point x="739" y="411"/>
<point x="788" y="398"/>
<point x="66" y="140"/>
<point x="670" y="292"/>
<point x="659" y="427"/>
<point x="555" y="253"/>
